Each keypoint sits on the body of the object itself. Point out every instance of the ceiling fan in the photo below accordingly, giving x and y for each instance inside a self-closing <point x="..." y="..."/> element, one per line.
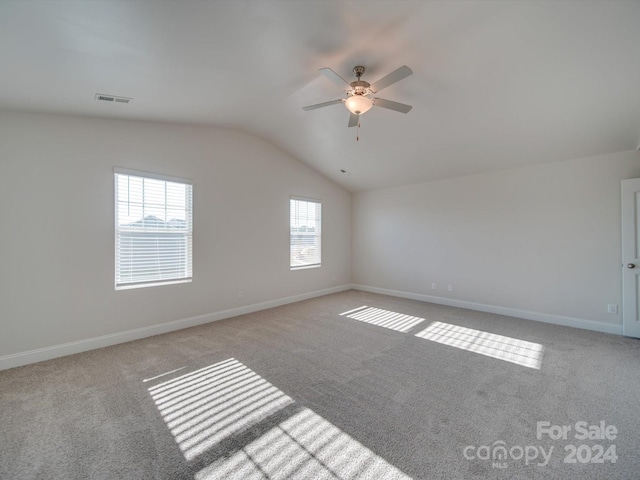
<point x="361" y="95"/>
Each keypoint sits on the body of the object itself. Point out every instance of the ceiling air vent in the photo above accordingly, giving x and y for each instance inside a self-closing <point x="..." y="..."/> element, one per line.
<point x="112" y="98"/>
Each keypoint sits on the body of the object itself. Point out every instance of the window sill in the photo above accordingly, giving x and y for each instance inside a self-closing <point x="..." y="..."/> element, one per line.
<point x="132" y="286"/>
<point x="306" y="267"/>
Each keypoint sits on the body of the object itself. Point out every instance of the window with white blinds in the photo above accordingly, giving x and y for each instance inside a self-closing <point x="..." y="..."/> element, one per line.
<point x="154" y="229"/>
<point x="305" y="233"/>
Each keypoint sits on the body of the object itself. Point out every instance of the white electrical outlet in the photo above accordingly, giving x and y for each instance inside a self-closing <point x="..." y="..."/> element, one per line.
<point x="240" y="294"/>
<point x="612" y="308"/>
<point x="450" y="288"/>
<point x="434" y="285"/>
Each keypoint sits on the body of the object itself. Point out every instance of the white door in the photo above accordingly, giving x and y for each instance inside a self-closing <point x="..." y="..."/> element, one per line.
<point x="630" y="257"/>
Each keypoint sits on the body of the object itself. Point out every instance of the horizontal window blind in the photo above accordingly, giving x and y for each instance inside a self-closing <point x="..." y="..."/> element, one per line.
<point x="305" y="233"/>
<point x="154" y="230"/>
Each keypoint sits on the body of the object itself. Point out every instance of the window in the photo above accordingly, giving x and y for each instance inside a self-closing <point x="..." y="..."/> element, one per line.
<point x="305" y="225"/>
<point x="153" y="229"/>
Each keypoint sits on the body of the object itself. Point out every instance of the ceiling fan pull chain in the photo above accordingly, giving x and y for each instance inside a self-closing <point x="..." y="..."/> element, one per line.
<point x="358" y="132"/>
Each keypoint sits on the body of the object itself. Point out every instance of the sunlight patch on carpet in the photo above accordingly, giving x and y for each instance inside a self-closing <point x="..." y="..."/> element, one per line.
<point x="383" y="318"/>
<point x="206" y="406"/>
<point x="521" y="352"/>
<point x="304" y="446"/>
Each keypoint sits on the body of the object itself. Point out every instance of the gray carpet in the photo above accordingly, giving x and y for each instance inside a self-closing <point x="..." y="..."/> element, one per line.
<point x="399" y="389"/>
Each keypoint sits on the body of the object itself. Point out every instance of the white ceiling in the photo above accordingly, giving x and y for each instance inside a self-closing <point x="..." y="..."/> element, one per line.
<point x="495" y="85"/>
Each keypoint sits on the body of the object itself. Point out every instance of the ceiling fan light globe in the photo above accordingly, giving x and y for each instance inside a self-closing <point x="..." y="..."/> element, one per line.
<point x="358" y="104"/>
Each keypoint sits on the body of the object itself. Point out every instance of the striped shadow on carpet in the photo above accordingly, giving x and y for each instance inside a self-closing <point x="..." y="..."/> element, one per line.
<point x="211" y="404"/>
<point x="520" y="352"/>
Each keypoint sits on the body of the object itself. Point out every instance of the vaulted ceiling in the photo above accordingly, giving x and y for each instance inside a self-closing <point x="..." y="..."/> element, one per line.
<point x="496" y="84"/>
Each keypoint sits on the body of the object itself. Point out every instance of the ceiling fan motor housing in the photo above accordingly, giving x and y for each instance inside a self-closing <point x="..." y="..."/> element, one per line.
<point x="360" y="87"/>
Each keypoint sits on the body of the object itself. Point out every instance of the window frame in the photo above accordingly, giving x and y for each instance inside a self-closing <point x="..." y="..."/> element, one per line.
<point x="318" y="234"/>
<point x="189" y="234"/>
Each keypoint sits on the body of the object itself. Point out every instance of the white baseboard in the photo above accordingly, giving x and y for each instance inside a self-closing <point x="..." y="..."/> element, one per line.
<point x="510" y="312"/>
<point x="55" y="351"/>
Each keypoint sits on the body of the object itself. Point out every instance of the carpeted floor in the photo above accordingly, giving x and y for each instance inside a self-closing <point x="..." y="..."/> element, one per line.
<point x="351" y="385"/>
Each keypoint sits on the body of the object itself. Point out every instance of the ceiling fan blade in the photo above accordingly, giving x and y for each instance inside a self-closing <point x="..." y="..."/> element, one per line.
<point x="324" y="104"/>
<point x="353" y="120"/>
<point x="398" y="107"/>
<point x="334" y="77"/>
<point x="392" y="78"/>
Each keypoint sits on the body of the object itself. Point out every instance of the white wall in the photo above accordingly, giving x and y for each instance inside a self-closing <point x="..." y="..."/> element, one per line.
<point x="543" y="239"/>
<point x="57" y="239"/>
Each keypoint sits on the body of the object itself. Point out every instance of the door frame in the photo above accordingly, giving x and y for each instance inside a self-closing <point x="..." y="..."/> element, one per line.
<point x="630" y="256"/>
